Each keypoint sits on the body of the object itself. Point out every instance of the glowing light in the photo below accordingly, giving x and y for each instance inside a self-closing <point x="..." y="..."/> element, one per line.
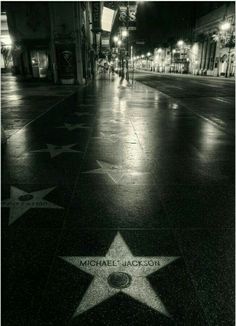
<point x="119" y="42"/>
<point x="159" y="50"/>
<point x="107" y="19"/>
<point x="148" y="54"/>
<point x="115" y="39"/>
<point x="180" y="43"/>
<point x="225" y="26"/>
<point x="5" y="39"/>
<point x="142" y="56"/>
<point x="124" y="33"/>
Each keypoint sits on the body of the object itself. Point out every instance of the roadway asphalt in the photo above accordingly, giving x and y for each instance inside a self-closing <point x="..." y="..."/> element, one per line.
<point x="210" y="98"/>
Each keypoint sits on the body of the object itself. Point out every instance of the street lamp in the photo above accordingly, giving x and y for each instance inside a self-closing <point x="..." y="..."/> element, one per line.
<point x="148" y="55"/>
<point x="124" y="33"/>
<point x="115" y="39"/>
<point x="180" y="43"/>
<point x="225" y="26"/>
<point x="159" y="50"/>
<point x="119" y="42"/>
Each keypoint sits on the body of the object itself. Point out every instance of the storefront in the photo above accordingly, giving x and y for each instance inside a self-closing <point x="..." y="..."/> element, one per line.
<point x="39" y="63"/>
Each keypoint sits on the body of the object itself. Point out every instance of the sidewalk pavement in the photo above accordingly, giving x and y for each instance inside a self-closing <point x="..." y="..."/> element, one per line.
<point x="118" y="207"/>
<point x="22" y="102"/>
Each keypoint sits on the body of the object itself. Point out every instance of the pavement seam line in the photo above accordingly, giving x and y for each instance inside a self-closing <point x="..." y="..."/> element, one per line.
<point x="43" y="113"/>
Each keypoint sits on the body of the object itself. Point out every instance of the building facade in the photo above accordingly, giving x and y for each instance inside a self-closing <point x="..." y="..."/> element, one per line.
<point x="210" y="51"/>
<point x="57" y="41"/>
<point x="214" y="47"/>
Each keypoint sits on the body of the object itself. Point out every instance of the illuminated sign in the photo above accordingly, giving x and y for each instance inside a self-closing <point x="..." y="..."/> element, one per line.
<point x="107" y="19"/>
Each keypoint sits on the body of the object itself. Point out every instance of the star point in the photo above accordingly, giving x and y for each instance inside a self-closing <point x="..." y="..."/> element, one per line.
<point x="120" y="271"/>
<point x="55" y="150"/>
<point x="21" y="201"/>
<point x="115" y="172"/>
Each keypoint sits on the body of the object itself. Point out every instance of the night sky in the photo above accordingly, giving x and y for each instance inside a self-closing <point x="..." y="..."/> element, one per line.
<point x="159" y="23"/>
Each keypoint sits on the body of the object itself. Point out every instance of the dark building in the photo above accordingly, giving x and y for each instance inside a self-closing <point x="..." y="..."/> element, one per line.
<point x="57" y="41"/>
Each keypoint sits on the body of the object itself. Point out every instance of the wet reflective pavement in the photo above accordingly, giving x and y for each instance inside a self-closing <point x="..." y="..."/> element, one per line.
<point x="210" y="98"/>
<point x="118" y="209"/>
<point x="23" y="102"/>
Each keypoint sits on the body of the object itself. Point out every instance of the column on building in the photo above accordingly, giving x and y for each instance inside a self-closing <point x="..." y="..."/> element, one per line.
<point x="203" y="54"/>
<point x="206" y="49"/>
<point x="208" y="54"/>
<point x="212" y="57"/>
<point x="66" y="22"/>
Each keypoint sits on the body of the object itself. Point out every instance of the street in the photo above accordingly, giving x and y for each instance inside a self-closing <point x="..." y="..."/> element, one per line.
<point x="209" y="98"/>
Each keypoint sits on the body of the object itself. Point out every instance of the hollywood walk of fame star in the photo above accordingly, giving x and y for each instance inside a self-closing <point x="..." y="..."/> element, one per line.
<point x="120" y="271"/>
<point x="115" y="172"/>
<point x="71" y="127"/>
<point x="21" y="201"/>
<point x="56" y="150"/>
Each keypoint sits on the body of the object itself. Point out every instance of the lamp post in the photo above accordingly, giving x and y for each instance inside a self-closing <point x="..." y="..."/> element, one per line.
<point x="118" y="43"/>
<point x="148" y="55"/>
<point x="159" y="51"/>
<point x="126" y="34"/>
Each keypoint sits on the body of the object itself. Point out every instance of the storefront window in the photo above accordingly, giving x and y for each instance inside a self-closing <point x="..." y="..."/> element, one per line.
<point x="39" y="62"/>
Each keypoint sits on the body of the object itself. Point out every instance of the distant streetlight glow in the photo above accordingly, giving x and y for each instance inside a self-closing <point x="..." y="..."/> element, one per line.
<point x="180" y="43"/>
<point x="119" y="42"/>
<point x="148" y="54"/>
<point x="115" y="39"/>
<point x="225" y="26"/>
<point x="124" y="33"/>
<point x="142" y="56"/>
